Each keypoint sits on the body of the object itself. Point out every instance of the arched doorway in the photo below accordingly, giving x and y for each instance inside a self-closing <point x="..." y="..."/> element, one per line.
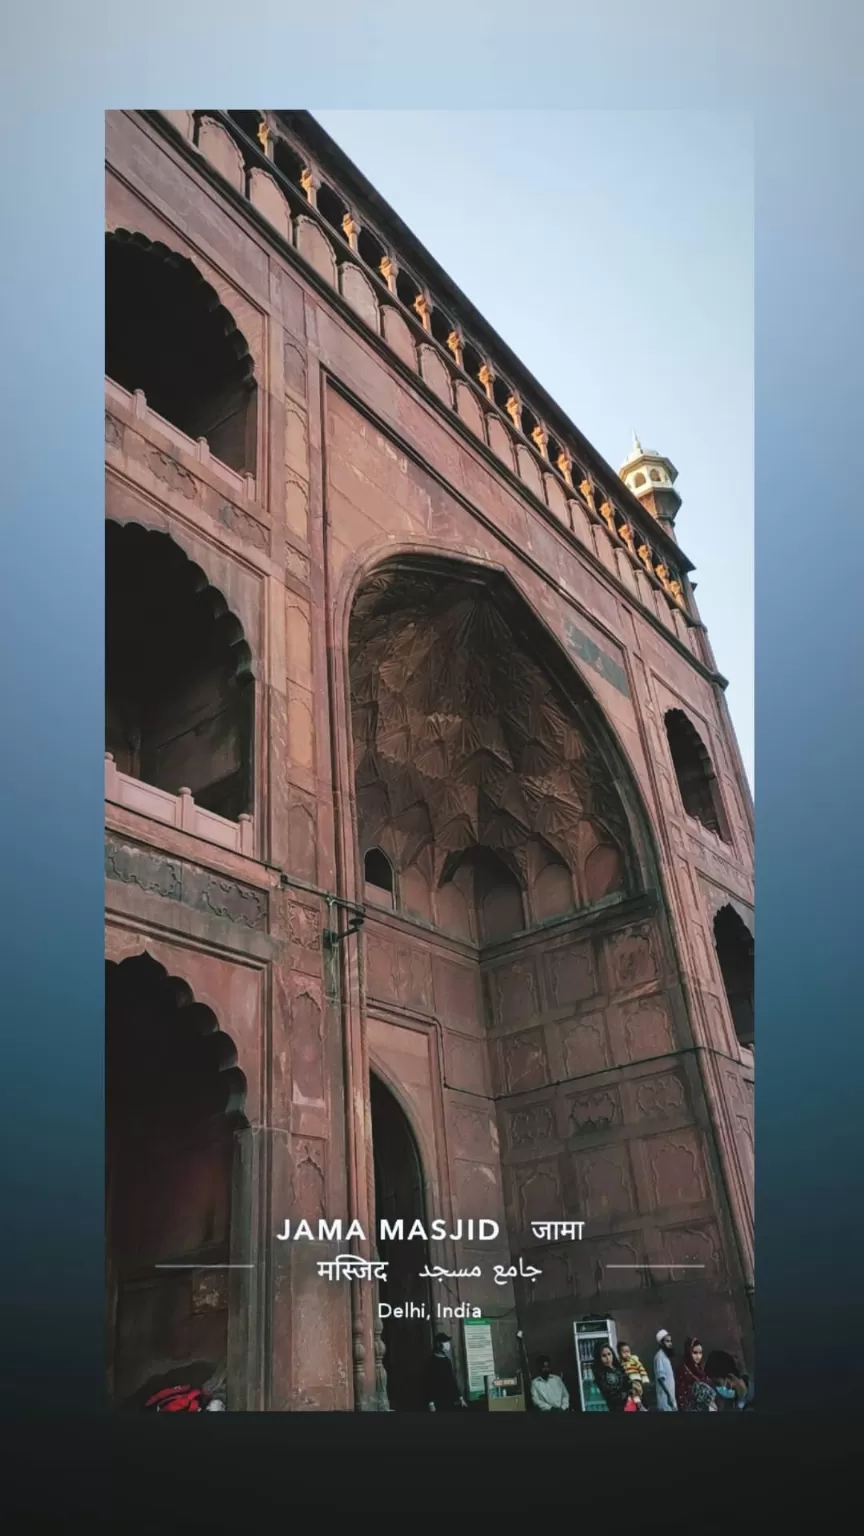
<point x="180" y="692"/>
<point x="173" y="1097"/>
<point x="736" y="957"/>
<point x="168" y="334"/>
<point x="400" y="1195"/>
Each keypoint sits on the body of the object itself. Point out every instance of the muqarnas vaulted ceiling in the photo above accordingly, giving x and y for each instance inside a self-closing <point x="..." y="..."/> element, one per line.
<point x="474" y="774"/>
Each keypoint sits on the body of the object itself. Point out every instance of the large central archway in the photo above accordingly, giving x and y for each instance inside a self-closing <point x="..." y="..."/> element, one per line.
<point x="475" y="774"/>
<point x="513" y="894"/>
<point x="173" y="1098"/>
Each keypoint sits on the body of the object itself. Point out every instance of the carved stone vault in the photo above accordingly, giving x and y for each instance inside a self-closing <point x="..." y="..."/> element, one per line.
<point x="474" y="774"/>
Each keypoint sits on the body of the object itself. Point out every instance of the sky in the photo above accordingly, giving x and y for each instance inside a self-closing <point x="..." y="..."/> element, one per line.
<point x="613" y="252"/>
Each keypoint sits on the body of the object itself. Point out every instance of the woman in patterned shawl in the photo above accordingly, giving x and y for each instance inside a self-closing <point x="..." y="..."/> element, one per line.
<point x="693" y="1390"/>
<point x="611" y="1377"/>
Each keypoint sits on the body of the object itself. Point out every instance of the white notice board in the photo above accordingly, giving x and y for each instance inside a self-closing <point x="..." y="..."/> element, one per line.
<point x="479" y="1356"/>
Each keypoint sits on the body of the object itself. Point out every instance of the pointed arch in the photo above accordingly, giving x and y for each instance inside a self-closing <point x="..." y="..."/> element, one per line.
<point x="168" y="334"/>
<point x="735" y="948"/>
<point x="175" y="1097"/>
<point x="179" y="674"/>
<point x="697" y="781"/>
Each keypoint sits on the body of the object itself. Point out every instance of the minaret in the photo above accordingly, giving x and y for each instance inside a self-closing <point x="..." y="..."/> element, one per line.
<point x="651" y="478"/>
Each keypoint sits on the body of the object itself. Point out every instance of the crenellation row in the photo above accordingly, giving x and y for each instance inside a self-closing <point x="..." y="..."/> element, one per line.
<point x="309" y="214"/>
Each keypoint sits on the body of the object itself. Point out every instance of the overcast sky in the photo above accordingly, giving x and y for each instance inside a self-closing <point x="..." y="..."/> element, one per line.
<point x="613" y="252"/>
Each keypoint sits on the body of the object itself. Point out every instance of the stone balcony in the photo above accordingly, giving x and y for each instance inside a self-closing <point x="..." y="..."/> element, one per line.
<point x="178" y="811"/>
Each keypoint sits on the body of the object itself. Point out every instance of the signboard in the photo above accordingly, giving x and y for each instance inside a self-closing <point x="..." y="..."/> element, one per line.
<point x="479" y="1356"/>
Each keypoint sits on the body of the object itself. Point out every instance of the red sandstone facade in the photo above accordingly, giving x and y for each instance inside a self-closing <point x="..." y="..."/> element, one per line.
<point x="370" y="593"/>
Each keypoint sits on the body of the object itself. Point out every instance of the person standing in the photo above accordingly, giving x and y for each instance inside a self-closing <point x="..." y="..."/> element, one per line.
<point x="611" y="1378"/>
<point x="693" y="1391"/>
<point x="442" y="1389"/>
<point x="664" y="1373"/>
<point x="548" y="1392"/>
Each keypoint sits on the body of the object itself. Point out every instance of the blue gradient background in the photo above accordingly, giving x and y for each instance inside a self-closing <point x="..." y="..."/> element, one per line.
<point x="798" y="66"/>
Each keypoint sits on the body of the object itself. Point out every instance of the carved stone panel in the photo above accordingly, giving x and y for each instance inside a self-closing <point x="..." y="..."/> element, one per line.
<point x="240" y="523"/>
<point x="676" y="1169"/>
<point x="514" y="989"/>
<point x="538" y="1192"/>
<point x="466" y="1063"/>
<point x="173" y="878"/>
<point x="217" y="145"/>
<point x="523" y="1060"/>
<point x="585" y="1045"/>
<point x="605" y="1183"/>
<point x="469" y="409"/>
<point x="478" y="1190"/>
<point x="475" y="1133"/>
<point x="381" y="973"/>
<point x="530" y="1126"/>
<point x="631" y="959"/>
<point x="696" y="1250"/>
<point x="529" y="473"/>
<point x="298" y="635"/>
<point x="304" y="925"/>
<point x="296" y="442"/>
<point x="314" y="245"/>
<point x="595" y="1111"/>
<point x="435" y="373"/>
<point x="302" y="837"/>
<point x="571" y="975"/>
<point x="647" y="1029"/>
<point x="398" y="335"/>
<point x="294" y="367"/>
<point x="414" y="977"/>
<point x="308" y="1182"/>
<point x="358" y="290"/>
<point x="659" y="1096"/>
<point x="139" y="866"/>
<point x="266" y="195"/>
<point x="307" y="1046"/>
<point x="557" y="500"/>
<point x="617" y="1265"/>
<point x="456" y="992"/>
<point x="500" y="440"/>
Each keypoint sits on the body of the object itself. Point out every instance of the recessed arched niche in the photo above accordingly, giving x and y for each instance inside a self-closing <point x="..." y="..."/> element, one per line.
<point x="476" y="766"/>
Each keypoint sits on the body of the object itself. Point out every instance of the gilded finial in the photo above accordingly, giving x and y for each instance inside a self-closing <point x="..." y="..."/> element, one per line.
<point x="350" y="231"/>
<point x="423" y="309"/>
<point x="514" y="411"/>
<point x="454" y="342"/>
<point x="539" y="439"/>
<point x="566" y="468"/>
<point x="486" y="376"/>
